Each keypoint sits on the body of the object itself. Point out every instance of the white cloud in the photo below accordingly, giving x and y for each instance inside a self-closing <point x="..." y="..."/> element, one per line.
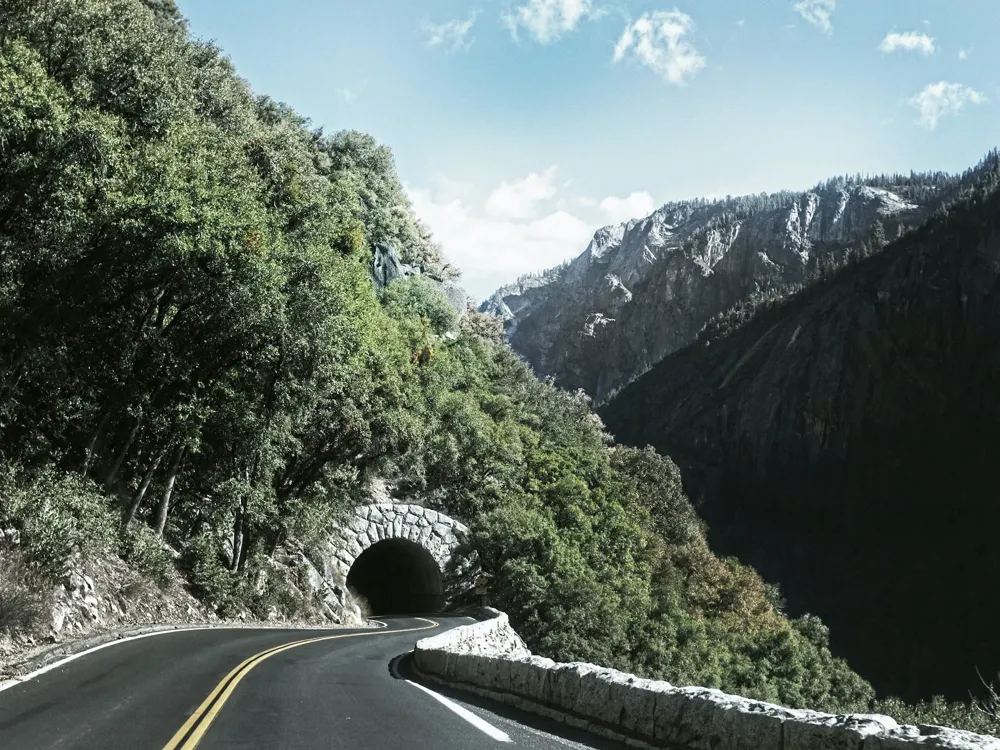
<point x="659" y="41"/>
<point x="636" y="206"/>
<point x="493" y="251"/>
<point x="908" y="41"/>
<point x="963" y="54"/>
<point x="453" y="35"/>
<point x="548" y="20"/>
<point x="520" y="199"/>
<point x="350" y="95"/>
<point x="817" y="12"/>
<point x="447" y="189"/>
<point x="741" y="22"/>
<point x="940" y="99"/>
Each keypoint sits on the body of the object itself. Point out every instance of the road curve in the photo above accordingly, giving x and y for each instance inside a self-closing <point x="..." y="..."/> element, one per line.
<point x="247" y="688"/>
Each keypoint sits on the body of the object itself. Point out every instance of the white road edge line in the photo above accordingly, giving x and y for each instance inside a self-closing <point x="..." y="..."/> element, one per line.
<point x="7" y="684"/>
<point x="482" y="726"/>
<point x="73" y="657"/>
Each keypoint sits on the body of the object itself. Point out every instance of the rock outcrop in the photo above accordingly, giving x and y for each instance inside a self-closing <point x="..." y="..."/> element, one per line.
<point x="105" y="595"/>
<point x="96" y="596"/>
<point x="386" y="268"/>
<point x="645" y="288"/>
<point x="844" y="443"/>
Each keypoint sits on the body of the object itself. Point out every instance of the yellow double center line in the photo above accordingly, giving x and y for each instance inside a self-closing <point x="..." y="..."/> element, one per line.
<point x="189" y="735"/>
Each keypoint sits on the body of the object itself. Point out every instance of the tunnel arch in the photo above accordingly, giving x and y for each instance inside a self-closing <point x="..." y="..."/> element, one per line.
<point x="397" y="577"/>
<point x="402" y="555"/>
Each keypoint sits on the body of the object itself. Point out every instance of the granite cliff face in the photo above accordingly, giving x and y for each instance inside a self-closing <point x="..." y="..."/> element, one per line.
<point x="386" y="268"/>
<point x="645" y="288"/>
<point x="845" y="442"/>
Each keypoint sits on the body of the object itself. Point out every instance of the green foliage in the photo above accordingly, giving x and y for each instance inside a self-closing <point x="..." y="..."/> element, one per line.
<point x="561" y="605"/>
<point x="741" y="313"/>
<point x="382" y="205"/>
<point x="595" y="552"/>
<point x="939" y="712"/>
<point x="166" y="11"/>
<point x="209" y="576"/>
<point x="418" y="297"/>
<point x="57" y="514"/>
<point x="25" y="596"/>
<point x="144" y="551"/>
<point x="277" y="593"/>
<point x="261" y="590"/>
<point x="186" y="313"/>
<point x="652" y="485"/>
<point x="191" y="350"/>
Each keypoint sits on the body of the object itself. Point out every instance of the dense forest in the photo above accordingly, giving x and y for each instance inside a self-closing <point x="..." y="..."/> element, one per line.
<point x="193" y="357"/>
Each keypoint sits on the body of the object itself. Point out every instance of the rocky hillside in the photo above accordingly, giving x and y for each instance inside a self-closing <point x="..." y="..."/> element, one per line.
<point x="645" y="288"/>
<point x="844" y="442"/>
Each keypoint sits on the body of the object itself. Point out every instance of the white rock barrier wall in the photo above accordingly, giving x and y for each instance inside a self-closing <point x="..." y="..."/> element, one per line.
<point x="489" y="658"/>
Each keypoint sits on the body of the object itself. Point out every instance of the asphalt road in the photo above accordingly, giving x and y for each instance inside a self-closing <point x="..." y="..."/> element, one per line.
<point x="246" y="688"/>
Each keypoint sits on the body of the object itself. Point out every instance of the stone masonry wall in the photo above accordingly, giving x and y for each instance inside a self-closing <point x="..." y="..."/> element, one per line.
<point x="370" y="524"/>
<point x="490" y="659"/>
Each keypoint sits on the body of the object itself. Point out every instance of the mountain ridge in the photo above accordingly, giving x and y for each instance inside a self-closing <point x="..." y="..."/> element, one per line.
<point x="644" y="288"/>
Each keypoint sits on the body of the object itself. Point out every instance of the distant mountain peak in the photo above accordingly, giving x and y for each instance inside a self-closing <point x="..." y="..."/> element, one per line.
<point x="688" y="261"/>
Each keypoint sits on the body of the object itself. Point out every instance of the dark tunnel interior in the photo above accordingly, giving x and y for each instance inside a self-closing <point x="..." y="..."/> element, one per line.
<point x="397" y="577"/>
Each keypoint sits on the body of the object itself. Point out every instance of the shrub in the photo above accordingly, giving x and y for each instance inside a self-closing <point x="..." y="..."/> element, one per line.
<point x="25" y="597"/>
<point x="418" y="297"/>
<point x="57" y="514"/>
<point x="210" y="579"/>
<point x="144" y="551"/>
<point x="262" y="588"/>
<point x="939" y="712"/>
<point x="274" y="593"/>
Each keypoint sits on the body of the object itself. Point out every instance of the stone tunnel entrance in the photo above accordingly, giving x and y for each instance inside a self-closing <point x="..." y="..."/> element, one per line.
<point x="396" y="577"/>
<point x="402" y="558"/>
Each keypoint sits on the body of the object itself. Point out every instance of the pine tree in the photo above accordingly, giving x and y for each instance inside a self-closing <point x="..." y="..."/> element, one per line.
<point x="878" y="240"/>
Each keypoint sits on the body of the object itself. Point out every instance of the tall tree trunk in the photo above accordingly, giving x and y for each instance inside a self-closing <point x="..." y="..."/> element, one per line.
<point x="245" y="550"/>
<point x="234" y="562"/>
<point x="88" y="460"/>
<point x="164" y="506"/>
<point x="112" y="474"/>
<point x="240" y="560"/>
<point x="141" y="492"/>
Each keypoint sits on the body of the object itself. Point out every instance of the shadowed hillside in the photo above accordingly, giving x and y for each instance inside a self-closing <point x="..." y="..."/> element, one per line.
<point x="845" y="443"/>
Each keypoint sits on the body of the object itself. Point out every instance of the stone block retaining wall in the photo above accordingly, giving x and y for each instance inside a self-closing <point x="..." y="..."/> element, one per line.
<point x="491" y="659"/>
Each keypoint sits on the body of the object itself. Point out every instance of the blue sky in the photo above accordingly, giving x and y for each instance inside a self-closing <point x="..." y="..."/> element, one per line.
<point x="521" y="126"/>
